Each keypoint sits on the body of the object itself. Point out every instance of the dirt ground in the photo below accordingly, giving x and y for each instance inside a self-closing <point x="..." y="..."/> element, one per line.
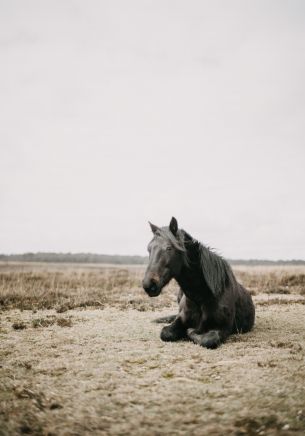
<point x="109" y="373"/>
<point x="105" y="371"/>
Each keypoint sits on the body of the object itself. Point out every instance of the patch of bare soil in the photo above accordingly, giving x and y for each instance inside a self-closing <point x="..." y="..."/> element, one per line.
<point x="107" y="372"/>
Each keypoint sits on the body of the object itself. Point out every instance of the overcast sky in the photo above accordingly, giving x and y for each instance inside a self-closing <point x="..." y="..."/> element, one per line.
<point x="113" y="113"/>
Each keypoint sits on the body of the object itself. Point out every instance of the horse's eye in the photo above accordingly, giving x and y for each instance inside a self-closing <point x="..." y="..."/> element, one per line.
<point x="168" y="248"/>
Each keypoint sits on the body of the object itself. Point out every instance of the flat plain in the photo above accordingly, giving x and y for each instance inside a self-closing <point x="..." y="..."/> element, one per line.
<point x="80" y="354"/>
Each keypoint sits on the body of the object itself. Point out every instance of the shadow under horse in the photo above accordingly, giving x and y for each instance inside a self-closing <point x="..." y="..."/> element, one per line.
<point x="212" y="304"/>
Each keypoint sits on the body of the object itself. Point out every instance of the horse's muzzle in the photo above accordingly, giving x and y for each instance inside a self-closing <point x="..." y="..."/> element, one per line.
<point x="151" y="287"/>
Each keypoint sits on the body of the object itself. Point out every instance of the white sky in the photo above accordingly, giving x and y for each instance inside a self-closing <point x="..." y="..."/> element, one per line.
<point x="113" y="113"/>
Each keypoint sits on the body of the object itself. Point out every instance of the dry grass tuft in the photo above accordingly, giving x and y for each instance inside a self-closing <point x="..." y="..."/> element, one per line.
<point x="43" y="322"/>
<point x="47" y="322"/>
<point x="272" y="301"/>
<point x="249" y="426"/>
<point x="64" y="322"/>
<point x="19" y="325"/>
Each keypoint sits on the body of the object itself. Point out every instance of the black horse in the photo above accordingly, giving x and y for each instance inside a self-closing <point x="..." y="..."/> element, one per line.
<point x="212" y="304"/>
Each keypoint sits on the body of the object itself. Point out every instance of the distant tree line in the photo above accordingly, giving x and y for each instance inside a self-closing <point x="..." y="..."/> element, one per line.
<point x="255" y="262"/>
<point x="74" y="258"/>
<point x="120" y="260"/>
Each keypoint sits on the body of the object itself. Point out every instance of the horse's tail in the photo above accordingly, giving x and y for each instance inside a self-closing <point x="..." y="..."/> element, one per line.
<point x="165" y="319"/>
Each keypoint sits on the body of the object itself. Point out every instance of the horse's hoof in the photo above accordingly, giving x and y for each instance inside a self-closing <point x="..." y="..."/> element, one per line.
<point x="190" y="331"/>
<point x="211" y="340"/>
<point x="168" y="335"/>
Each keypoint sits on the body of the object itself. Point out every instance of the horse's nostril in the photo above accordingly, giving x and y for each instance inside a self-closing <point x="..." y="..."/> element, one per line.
<point x="151" y="286"/>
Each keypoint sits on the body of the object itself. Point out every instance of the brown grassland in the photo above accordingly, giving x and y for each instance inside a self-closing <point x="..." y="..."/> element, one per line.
<point x="80" y="354"/>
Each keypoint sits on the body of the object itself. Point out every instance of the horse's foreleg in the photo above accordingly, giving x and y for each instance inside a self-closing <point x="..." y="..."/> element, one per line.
<point x="165" y="319"/>
<point x="173" y="332"/>
<point x="210" y="339"/>
<point x="221" y="322"/>
<point x="188" y="316"/>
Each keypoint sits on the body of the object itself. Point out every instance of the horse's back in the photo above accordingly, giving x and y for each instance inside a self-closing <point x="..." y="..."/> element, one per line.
<point x="244" y="311"/>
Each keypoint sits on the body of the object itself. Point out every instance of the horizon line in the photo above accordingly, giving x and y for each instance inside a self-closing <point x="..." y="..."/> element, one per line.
<point x="84" y="253"/>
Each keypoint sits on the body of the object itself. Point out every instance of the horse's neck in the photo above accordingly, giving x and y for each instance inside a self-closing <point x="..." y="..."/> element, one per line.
<point x="191" y="278"/>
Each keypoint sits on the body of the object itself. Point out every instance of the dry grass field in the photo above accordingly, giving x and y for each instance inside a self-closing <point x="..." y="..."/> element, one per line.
<point x="80" y="354"/>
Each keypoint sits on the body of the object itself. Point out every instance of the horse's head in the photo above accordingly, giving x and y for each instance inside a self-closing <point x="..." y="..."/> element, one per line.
<point x="166" y="254"/>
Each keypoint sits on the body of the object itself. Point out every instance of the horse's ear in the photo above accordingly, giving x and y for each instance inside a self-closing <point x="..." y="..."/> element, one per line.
<point x="173" y="226"/>
<point x="153" y="227"/>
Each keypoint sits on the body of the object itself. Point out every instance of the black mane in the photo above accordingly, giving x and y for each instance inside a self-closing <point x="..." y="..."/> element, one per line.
<point x="214" y="269"/>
